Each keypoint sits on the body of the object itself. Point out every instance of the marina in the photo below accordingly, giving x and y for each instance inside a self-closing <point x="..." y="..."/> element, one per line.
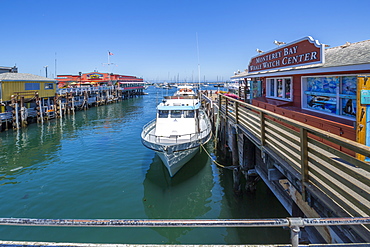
<point x="92" y="164"/>
<point x="184" y="124"/>
<point x="297" y="128"/>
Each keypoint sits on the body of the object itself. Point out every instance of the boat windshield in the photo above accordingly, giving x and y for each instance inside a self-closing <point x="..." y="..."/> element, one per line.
<point x="176" y="114"/>
<point x="188" y="114"/>
<point x="163" y="114"/>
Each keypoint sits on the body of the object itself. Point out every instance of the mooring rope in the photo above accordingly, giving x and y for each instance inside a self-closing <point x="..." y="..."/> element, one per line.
<point x="214" y="161"/>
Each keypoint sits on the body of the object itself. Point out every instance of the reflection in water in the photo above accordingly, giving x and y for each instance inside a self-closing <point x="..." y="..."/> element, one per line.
<point x="185" y="196"/>
<point x="37" y="145"/>
<point x="22" y="149"/>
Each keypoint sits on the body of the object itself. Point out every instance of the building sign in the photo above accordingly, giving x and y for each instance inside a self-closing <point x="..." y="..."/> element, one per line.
<point x="95" y="76"/>
<point x="301" y="52"/>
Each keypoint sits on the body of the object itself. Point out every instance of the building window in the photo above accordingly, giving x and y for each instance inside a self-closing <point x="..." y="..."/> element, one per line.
<point x="49" y="86"/>
<point x="32" y="86"/>
<point x="256" y="89"/>
<point x="279" y="88"/>
<point x="332" y="95"/>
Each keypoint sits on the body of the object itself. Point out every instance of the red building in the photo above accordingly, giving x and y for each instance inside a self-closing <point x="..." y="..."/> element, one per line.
<point x="308" y="82"/>
<point x="94" y="79"/>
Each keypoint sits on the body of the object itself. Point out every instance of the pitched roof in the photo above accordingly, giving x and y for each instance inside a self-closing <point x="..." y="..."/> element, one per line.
<point x="23" y="77"/>
<point x="348" y="54"/>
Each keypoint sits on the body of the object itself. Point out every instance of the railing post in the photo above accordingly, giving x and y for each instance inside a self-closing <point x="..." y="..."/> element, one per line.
<point x="294" y="235"/>
<point x="295" y="225"/>
<point x="236" y="112"/>
<point x="304" y="161"/>
<point x="226" y="107"/>
<point x="219" y="103"/>
<point x="262" y="120"/>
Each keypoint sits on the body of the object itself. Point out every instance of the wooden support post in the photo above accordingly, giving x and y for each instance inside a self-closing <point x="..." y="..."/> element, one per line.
<point x="60" y="108"/>
<point x="234" y="148"/>
<point x="57" y="106"/>
<point x="15" y="113"/>
<point x="73" y="107"/>
<point x="236" y="178"/>
<point x="304" y="162"/>
<point x="68" y="107"/>
<point x="86" y="99"/>
<point x="23" y="113"/>
<point x="38" y="108"/>
<point x="45" y="114"/>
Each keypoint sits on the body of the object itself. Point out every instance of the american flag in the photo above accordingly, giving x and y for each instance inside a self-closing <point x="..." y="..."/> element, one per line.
<point x="110" y="53"/>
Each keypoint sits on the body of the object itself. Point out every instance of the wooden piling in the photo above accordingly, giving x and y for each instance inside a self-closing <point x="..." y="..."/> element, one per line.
<point x="23" y="114"/>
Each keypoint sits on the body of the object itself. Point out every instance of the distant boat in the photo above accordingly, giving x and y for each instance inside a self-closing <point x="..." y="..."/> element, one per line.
<point x="163" y="85"/>
<point x="179" y="129"/>
<point x="185" y="91"/>
<point x="233" y="86"/>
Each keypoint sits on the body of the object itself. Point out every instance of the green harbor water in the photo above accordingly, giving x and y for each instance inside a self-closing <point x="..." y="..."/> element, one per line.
<point x="92" y="165"/>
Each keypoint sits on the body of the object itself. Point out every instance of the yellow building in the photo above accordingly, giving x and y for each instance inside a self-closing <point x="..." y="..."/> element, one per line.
<point x="25" y="85"/>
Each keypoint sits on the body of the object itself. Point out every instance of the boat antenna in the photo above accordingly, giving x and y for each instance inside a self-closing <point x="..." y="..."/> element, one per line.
<point x="198" y="64"/>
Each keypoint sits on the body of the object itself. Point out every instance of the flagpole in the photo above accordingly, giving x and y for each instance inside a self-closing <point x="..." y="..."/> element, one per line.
<point x="109" y="67"/>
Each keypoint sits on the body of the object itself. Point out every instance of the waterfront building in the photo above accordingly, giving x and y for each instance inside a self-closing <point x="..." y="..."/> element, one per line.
<point x="94" y="79"/>
<point x="26" y="86"/>
<point x="306" y="81"/>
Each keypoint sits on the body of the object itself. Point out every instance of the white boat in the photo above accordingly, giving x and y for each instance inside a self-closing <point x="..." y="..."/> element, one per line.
<point x="179" y="129"/>
<point x="185" y="91"/>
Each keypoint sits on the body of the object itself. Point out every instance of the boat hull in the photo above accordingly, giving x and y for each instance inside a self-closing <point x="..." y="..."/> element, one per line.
<point x="176" y="160"/>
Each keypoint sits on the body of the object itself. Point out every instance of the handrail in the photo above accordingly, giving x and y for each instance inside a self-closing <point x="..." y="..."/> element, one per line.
<point x="360" y="148"/>
<point x="284" y="222"/>
<point x="293" y="223"/>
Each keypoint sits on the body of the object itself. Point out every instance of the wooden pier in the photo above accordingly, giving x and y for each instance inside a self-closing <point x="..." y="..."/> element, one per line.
<point x="302" y="165"/>
<point x="66" y="101"/>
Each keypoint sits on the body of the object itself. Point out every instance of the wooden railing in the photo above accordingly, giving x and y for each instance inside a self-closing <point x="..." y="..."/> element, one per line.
<point x="311" y="152"/>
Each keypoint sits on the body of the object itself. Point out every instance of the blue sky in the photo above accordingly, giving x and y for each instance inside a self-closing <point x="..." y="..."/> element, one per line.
<point x="156" y="39"/>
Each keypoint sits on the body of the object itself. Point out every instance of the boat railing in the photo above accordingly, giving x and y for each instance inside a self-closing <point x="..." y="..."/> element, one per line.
<point x="149" y="126"/>
<point x="173" y="139"/>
